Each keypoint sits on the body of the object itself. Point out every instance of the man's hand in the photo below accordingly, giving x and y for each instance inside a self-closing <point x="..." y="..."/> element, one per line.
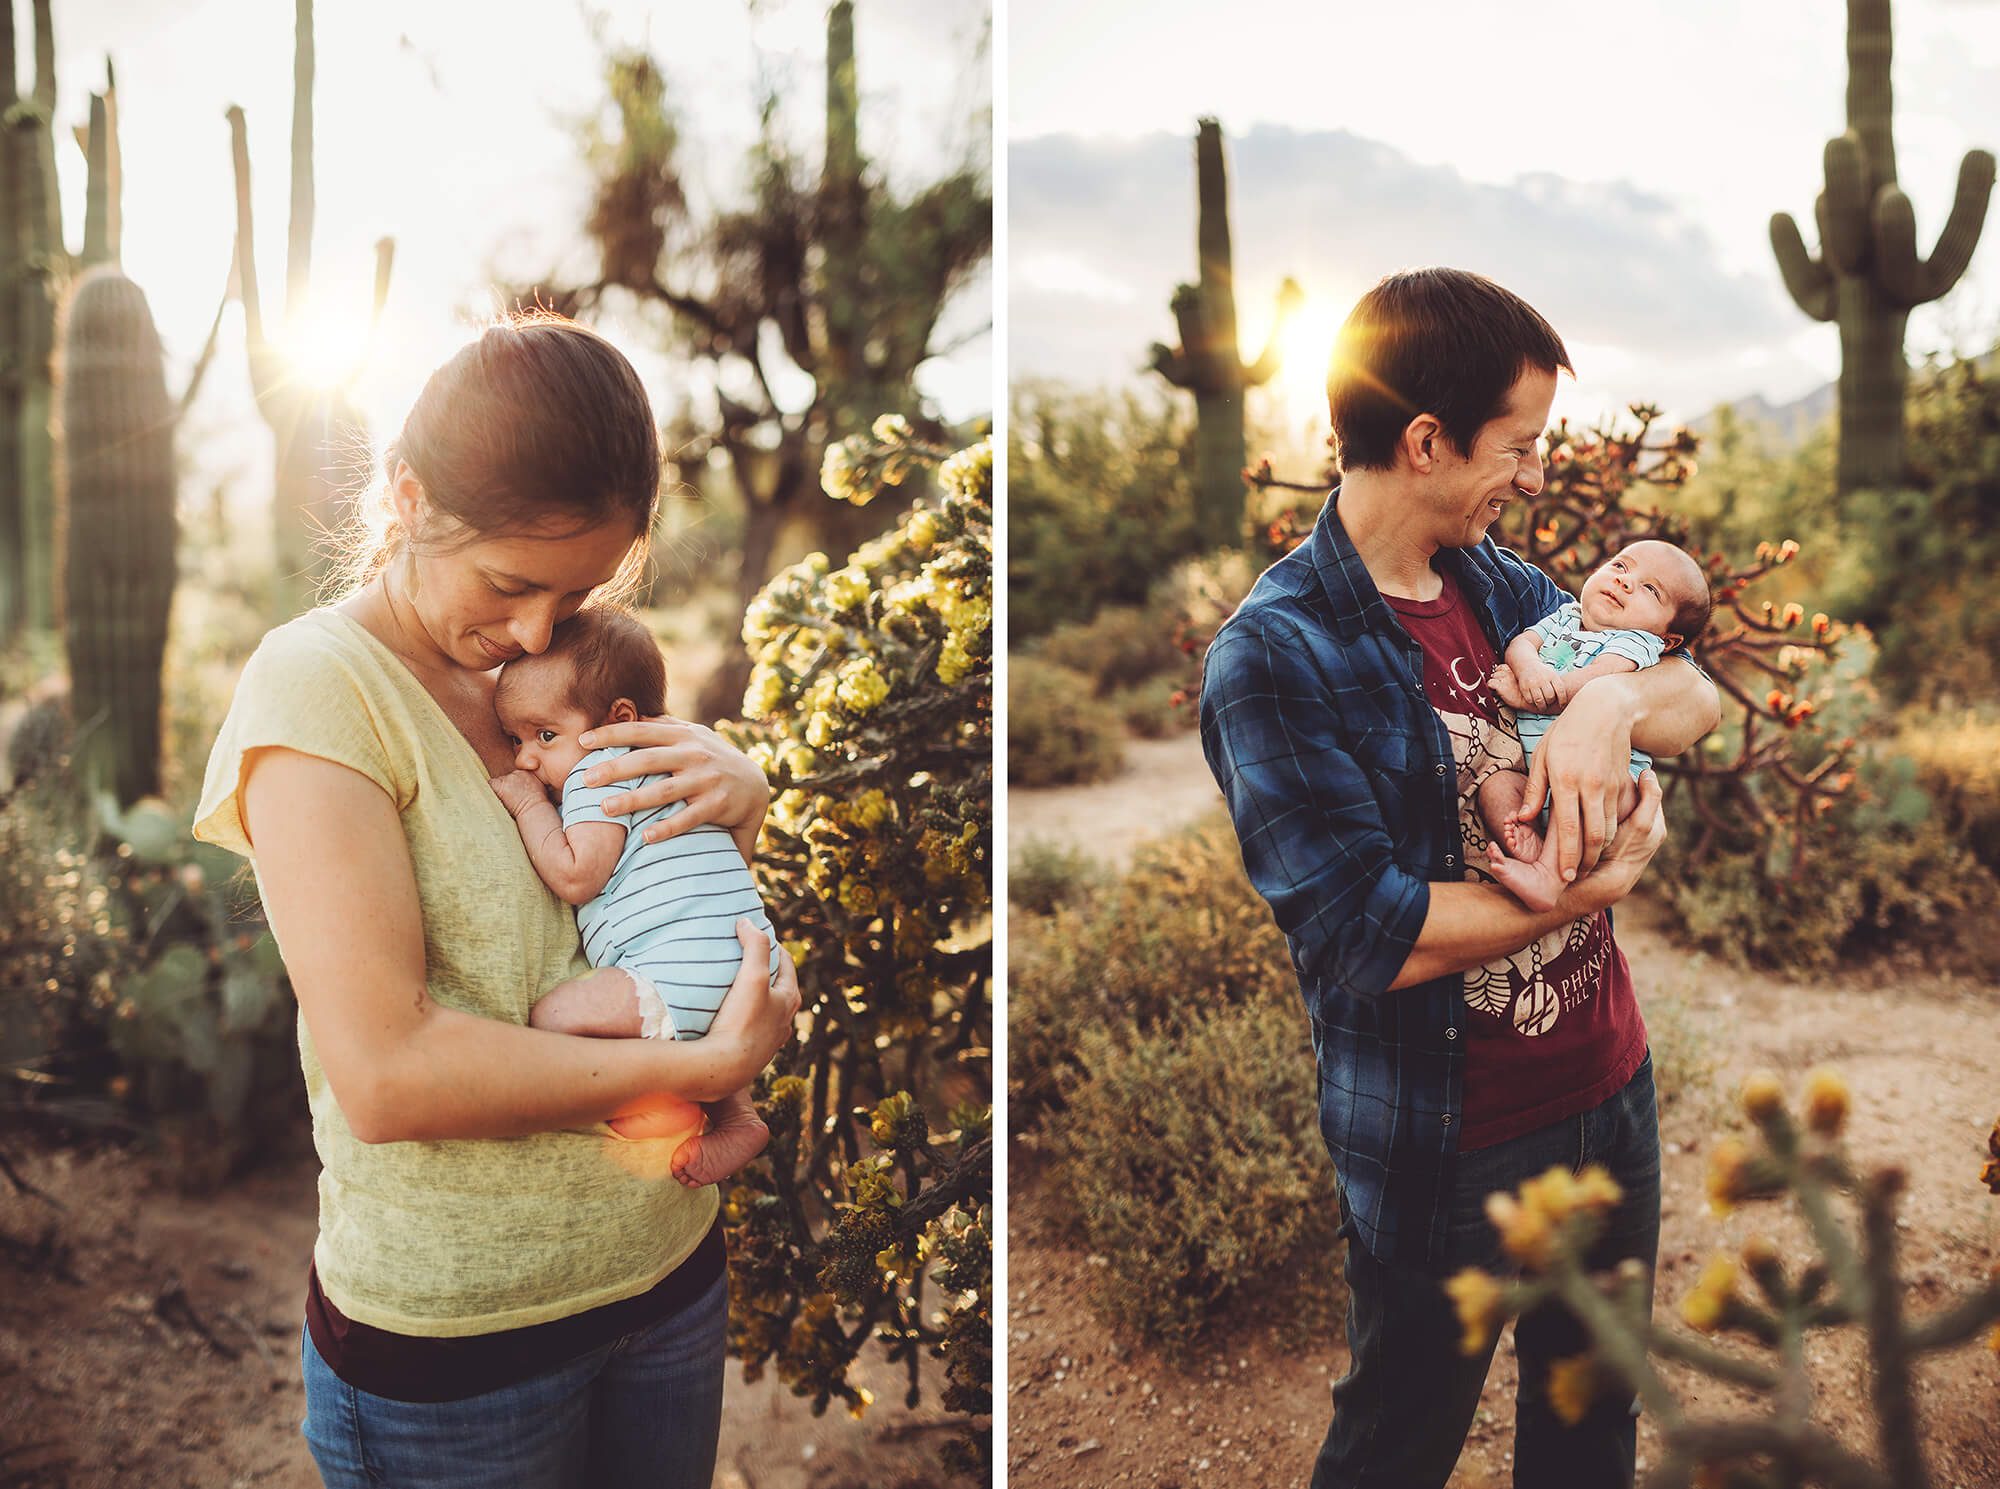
<point x="1625" y="857"/>
<point x="1581" y="764"/>
<point x="518" y="790"/>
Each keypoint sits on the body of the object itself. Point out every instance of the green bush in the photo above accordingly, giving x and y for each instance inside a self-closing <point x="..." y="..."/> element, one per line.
<point x="1182" y="932"/>
<point x="1118" y="646"/>
<point x="1157" y="708"/>
<point x="1192" y="1161"/>
<point x="1044" y="875"/>
<point x="1100" y="500"/>
<point x="1058" y="733"/>
<point x="1888" y="879"/>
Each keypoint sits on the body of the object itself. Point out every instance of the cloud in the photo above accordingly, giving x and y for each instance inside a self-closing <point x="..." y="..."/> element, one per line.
<point x="1609" y="263"/>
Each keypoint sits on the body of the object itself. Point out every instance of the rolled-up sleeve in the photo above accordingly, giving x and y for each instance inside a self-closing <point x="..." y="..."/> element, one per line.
<point x="1313" y="838"/>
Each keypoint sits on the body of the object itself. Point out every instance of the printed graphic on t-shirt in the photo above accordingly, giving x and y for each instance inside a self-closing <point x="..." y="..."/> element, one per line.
<point x="1537" y="985"/>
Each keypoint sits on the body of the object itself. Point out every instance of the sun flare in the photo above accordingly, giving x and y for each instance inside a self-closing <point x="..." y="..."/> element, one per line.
<point x="325" y="347"/>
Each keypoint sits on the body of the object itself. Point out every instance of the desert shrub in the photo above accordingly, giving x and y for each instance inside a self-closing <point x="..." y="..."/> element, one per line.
<point x="1957" y="759"/>
<point x="1100" y="500"/>
<point x="1044" y="875"/>
<point x="1118" y="646"/>
<point x="1157" y="708"/>
<point x="1182" y="932"/>
<point x="140" y="981"/>
<point x="1890" y="879"/>
<point x="871" y="709"/>
<point x="1191" y="1160"/>
<point x="1058" y="732"/>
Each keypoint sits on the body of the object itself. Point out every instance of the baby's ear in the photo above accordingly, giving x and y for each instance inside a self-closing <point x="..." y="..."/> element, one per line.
<point x="1673" y="640"/>
<point x="624" y="711"/>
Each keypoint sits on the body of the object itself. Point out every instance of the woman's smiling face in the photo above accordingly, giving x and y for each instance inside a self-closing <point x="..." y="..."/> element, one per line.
<point x="484" y="602"/>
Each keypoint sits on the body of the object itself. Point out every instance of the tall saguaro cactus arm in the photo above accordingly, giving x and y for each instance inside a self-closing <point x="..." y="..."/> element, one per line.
<point x="1868" y="274"/>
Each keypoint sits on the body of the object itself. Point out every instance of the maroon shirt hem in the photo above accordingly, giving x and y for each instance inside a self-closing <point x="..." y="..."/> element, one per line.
<point x="408" y="1367"/>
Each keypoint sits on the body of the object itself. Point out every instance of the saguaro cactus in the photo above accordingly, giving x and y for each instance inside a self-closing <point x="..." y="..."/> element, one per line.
<point x="1207" y="362"/>
<point x="1867" y="276"/>
<point x="306" y="418"/>
<point x="117" y="472"/>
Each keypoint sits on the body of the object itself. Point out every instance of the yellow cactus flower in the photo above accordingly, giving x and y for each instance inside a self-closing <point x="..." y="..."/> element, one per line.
<point x="1572" y="1387"/>
<point x="1477" y="1297"/>
<point x="861" y="687"/>
<point x="1763" y="1095"/>
<point x="871" y="808"/>
<point x="765" y="691"/>
<point x="821" y="730"/>
<point x="856" y="897"/>
<point x="1597" y="1190"/>
<point x="1728" y="1162"/>
<point x="1707" y="1306"/>
<point x="1826" y="1102"/>
<point x="921" y="529"/>
<point x="797" y="759"/>
<point x="847" y="588"/>
<point x="954" y="661"/>
<point x="966" y="473"/>
<point x="1526" y="1233"/>
<point x="892" y="429"/>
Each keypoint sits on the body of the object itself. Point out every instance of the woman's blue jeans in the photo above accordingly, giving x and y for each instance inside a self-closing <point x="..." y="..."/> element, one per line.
<point x="1401" y="1412"/>
<point x="641" y="1412"/>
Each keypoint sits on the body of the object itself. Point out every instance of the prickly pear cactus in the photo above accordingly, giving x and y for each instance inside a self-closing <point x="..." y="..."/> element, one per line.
<point x="118" y="491"/>
<point x="1867" y="276"/>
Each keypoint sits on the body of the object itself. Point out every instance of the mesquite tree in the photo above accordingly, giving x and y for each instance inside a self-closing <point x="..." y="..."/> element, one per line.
<point x="1207" y="362"/>
<point x="871" y="708"/>
<point x="1867" y="276"/>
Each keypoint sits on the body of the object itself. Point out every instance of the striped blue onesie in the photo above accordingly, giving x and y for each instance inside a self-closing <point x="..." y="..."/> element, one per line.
<point x="669" y="910"/>
<point x="1567" y="646"/>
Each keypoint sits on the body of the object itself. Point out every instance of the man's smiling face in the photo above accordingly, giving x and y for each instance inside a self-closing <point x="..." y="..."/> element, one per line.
<point x="1505" y="462"/>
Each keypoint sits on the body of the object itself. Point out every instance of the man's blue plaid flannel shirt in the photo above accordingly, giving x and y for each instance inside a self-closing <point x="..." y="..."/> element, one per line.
<point x="1339" y="777"/>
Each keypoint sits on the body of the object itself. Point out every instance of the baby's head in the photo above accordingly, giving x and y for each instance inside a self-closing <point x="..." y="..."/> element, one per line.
<point x="1648" y="586"/>
<point x="602" y="667"/>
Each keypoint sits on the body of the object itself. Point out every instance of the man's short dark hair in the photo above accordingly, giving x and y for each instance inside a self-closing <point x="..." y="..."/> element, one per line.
<point x="1446" y="342"/>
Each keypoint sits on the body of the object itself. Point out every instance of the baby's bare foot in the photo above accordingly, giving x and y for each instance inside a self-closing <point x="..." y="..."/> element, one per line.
<point x="1523" y="842"/>
<point x="722" y="1150"/>
<point x="1534" y="884"/>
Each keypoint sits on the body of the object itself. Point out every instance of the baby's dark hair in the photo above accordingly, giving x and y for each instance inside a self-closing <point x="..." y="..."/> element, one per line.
<point x="1692" y="615"/>
<point x="611" y="655"/>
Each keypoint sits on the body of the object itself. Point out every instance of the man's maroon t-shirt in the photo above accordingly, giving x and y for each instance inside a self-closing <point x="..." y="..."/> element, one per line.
<point x="1554" y="1028"/>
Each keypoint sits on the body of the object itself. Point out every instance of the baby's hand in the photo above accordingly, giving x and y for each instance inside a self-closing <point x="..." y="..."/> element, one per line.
<point x="1506" y="688"/>
<point x="1536" y="685"/>
<point x="518" y="790"/>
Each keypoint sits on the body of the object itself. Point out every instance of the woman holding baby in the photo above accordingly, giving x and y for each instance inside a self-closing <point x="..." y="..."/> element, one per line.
<point x="503" y="1293"/>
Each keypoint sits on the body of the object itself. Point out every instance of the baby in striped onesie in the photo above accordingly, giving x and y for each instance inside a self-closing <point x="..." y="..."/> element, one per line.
<point x="658" y="919"/>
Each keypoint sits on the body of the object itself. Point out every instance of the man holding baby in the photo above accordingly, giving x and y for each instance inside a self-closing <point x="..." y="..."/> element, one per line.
<point x="1352" y="710"/>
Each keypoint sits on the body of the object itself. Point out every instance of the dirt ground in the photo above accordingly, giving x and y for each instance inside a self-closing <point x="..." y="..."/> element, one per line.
<point x="1089" y="1406"/>
<point x="150" y="1338"/>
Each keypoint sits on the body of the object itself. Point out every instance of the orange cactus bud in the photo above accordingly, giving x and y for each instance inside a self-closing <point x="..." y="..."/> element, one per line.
<point x="1787" y="551"/>
<point x="1794" y="613"/>
<point x="1759" y="1251"/>
<point x="1477" y="1297"/>
<point x="1707" y="1306"/>
<point x="1728" y="1164"/>
<point x="1826" y="1101"/>
<point x="1763" y="1096"/>
<point x="1821" y="625"/>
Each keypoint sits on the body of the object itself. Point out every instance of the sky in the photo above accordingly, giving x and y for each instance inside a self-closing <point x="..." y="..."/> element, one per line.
<point x="1617" y="165"/>
<point x="447" y="126"/>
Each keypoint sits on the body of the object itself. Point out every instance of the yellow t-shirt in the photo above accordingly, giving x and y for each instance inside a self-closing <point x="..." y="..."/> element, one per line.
<point x="458" y="1237"/>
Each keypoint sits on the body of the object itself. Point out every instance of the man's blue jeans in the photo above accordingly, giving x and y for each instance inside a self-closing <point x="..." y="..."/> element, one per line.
<point x="641" y="1412"/>
<point x="1401" y="1411"/>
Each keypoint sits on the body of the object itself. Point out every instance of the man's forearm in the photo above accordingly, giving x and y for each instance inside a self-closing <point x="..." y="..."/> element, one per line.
<point x="1671" y="705"/>
<point x="1470" y="925"/>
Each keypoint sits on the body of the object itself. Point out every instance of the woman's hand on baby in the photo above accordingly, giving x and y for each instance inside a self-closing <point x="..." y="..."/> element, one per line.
<point x="518" y="790"/>
<point x="755" y="1020"/>
<point x="719" y="783"/>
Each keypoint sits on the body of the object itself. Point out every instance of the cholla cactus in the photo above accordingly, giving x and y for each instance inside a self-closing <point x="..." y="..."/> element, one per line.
<point x="1548" y="1227"/>
<point x="871" y="708"/>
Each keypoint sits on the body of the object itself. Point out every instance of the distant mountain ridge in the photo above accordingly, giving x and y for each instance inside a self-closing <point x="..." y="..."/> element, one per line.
<point x="1786" y="425"/>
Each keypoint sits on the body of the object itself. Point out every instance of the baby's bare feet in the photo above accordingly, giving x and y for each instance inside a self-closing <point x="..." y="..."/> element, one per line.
<point x="738" y="1136"/>
<point x="1533" y="883"/>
